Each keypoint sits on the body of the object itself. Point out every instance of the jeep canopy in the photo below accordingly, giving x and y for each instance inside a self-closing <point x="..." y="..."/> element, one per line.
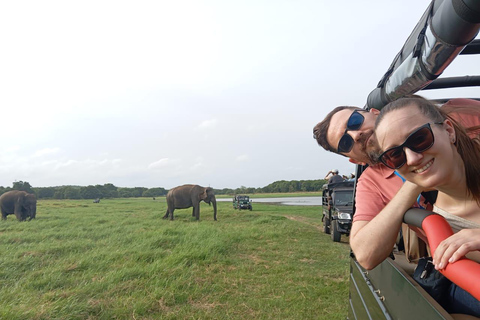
<point x="447" y="28"/>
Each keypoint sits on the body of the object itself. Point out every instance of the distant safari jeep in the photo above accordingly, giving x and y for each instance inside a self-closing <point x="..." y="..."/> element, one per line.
<point x="242" y="202"/>
<point x="337" y="203"/>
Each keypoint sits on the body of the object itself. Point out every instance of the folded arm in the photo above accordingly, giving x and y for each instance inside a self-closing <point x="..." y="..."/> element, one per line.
<point x="373" y="241"/>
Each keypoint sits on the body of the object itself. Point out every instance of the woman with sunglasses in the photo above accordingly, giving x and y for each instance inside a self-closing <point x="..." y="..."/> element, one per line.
<point x="429" y="149"/>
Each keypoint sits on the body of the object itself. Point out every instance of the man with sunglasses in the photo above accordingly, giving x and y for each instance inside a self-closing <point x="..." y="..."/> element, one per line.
<point x="381" y="196"/>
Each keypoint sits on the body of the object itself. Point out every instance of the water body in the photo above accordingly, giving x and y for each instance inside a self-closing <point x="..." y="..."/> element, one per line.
<point x="290" y="201"/>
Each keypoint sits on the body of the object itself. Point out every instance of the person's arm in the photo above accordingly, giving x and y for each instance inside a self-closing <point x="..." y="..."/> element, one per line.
<point x="373" y="241"/>
<point x="328" y="173"/>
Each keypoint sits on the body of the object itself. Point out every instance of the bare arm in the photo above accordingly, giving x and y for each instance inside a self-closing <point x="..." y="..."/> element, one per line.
<point x="328" y="174"/>
<point x="372" y="241"/>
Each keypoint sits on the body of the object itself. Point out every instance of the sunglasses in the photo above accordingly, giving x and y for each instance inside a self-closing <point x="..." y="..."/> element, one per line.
<point x="354" y="122"/>
<point x="418" y="141"/>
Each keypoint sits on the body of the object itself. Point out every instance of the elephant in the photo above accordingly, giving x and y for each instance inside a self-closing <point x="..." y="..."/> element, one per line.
<point x="96" y="200"/>
<point x="187" y="196"/>
<point x="20" y="203"/>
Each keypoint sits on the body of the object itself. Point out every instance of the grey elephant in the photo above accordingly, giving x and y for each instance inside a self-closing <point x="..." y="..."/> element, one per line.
<point x="20" y="203"/>
<point x="187" y="196"/>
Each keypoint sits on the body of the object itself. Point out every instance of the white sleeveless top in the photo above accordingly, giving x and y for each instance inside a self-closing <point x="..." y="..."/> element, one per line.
<point x="457" y="223"/>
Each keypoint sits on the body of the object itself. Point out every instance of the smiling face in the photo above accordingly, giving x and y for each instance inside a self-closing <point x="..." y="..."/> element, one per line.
<point x="363" y="137"/>
<point x="431" y="168"/>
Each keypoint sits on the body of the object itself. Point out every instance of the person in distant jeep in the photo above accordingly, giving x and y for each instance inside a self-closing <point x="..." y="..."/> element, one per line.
<point x="333" y="176"/>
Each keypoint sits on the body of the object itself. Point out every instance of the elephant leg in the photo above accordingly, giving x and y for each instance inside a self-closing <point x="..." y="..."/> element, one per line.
<point x="197" y="212"/>
<point x="4" y="215"/>
<point x="193" y="212"/>
<point x="166" y="215"/>
<point x="171" y="213"/>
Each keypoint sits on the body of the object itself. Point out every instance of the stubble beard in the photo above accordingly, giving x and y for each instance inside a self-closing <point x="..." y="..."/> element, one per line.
<point x="371" y="149"/>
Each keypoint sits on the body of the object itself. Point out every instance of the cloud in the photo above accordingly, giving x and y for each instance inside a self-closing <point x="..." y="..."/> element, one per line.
<point x="12" y="149"/>
<point x="45" y="151"/>
<point x="242" y="158"/>
<point x="162" y="163"/>
<point x="208" y="124"/>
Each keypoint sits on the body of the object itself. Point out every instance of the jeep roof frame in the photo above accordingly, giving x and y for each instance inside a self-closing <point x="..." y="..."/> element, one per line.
<point x="446" y="29"/>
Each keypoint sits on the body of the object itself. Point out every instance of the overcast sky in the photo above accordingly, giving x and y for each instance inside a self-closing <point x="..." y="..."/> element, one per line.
<point x="162" y="93"/>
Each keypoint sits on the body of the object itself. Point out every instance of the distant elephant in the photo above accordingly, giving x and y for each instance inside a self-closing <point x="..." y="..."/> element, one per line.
<point x="20" y="203"/>
<point x="187" y="196"/>
<point x="96" y="200"/>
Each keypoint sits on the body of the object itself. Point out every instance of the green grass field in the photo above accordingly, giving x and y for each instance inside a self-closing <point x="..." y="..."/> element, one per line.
<point x="119" y="260"/>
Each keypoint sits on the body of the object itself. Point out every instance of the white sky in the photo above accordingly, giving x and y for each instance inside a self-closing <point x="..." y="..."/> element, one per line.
<point x="162" y="93"/>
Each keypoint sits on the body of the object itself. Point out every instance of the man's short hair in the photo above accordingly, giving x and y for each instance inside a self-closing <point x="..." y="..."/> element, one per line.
<point x="321" y="129"/>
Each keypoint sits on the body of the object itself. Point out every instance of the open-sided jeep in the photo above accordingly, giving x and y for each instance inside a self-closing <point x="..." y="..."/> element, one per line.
<point x="242" y="202"/>
<point x="337" y="207"/>
<point x="447" y="29"/>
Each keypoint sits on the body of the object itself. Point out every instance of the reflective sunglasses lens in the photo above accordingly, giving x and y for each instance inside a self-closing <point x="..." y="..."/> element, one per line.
<point x="394" y="158"/>
<point x="355" y="121"/>
<point x="345" y="144"/>
<point x="420" y="140"/>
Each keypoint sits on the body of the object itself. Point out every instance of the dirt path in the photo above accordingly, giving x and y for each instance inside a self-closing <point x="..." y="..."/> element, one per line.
<point x="305" y="221"/>
<point x="319" y="227"/>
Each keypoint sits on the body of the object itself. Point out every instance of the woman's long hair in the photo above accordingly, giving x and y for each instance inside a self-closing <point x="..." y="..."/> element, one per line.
<point x="468" y="148"/>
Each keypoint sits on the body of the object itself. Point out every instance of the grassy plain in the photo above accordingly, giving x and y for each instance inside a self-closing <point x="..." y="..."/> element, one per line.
<point x="119" y="260"/>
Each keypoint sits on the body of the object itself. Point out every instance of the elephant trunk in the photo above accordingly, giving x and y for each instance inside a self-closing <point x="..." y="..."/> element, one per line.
<point x="33" y="212"/>
<point x="214" y="201"/>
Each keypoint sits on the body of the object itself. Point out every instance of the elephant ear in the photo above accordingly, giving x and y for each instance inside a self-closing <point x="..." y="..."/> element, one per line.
<point x="203" y="195"/>
<point x="21" y="199"/>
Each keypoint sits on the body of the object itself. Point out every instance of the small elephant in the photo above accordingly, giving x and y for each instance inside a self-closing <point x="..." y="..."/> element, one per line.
<point x="96" y="200"/>
<point x="187" y="196"/>
<point x="20" y="203"/>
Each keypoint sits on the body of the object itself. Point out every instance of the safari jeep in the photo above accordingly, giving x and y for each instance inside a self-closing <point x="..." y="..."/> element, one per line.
<point x="242" y="202"/>
<point x="337" y="207"/>
<point x="447" y="29"/>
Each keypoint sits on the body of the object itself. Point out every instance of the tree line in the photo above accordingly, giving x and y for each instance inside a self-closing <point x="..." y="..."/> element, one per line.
<point x="108" y="190"/>
<point x="281" y="186"/>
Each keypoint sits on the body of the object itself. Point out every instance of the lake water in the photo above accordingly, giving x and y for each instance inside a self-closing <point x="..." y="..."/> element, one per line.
<point x="292" y="201"/>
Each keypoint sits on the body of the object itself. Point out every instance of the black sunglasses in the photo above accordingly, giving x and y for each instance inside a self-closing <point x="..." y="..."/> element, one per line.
<point x="354" y="122"/>
<point x="418" y="141"/>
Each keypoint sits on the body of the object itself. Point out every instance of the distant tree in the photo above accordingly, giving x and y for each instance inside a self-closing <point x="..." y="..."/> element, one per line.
<point x="45" y="192"/>
<point x="70" y="192"/>
<point x="59" y="193"/>
<point x="125" y="192"/>
<point x="154" y="192"/>
<point x="250" y="190"/>
<point x="138" y="191"/>
<point x="3" y="190"/>
<point x="292" y="186"/>
<point x="90" y="192"/>
<point x="224" y="191"/>
<point x="22" y="186"/>
<point x="110" y="191"/>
